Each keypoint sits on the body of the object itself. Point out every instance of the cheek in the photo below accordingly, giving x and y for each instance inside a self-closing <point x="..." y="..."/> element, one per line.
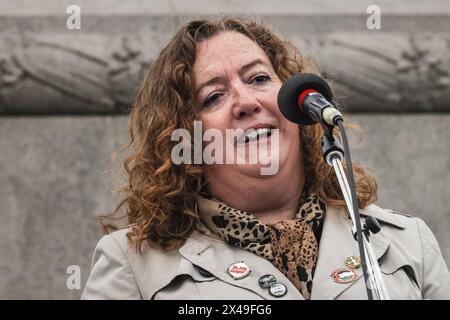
<point x="272" y="97"/>
<point x="214" y="122"/>
<point x="269" y="100"/>
<point x="210" y="120"/>
<point x="292" y="130"/>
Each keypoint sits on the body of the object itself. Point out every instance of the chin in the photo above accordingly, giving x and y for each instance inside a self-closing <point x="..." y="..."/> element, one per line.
<point x="253" y="170"/>
<point x="266" y="170"/>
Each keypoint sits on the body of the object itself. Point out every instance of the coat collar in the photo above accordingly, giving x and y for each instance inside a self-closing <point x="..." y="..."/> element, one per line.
<point x="337" y="244"/>
<point x="215" y="256"/>
<point x="382" y="215"/>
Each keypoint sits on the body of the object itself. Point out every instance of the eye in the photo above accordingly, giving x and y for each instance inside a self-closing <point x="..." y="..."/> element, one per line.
<point x="211" y="100"/>
<point x="260" y="79"/>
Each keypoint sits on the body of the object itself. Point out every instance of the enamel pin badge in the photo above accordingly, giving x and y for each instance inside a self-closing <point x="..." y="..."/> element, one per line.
<point x="344" y="275"/>
<point x="353" y="262"/>
<point x="267" y="280"/>
<point x="238" y="270"/>
<point x="278" y="290"/>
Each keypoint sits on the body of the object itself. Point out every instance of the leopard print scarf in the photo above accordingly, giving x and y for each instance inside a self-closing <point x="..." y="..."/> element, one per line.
<point x="291" y="245"/>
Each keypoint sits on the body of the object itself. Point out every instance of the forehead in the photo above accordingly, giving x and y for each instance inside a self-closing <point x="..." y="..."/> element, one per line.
<point x="226" y="49"/>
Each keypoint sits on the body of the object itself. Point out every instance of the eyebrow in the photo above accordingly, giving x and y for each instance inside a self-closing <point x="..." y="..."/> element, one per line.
<point x="244" y="69"/>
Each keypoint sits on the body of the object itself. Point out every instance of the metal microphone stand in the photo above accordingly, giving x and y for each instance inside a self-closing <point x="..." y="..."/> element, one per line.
<point x="334" y="155"/>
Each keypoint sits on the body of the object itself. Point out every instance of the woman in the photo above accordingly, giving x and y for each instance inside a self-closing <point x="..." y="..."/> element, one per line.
<point x="225" y="231"/>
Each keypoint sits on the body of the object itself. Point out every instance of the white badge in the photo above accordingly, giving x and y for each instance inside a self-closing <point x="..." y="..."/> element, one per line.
<point x="278" y="290"/>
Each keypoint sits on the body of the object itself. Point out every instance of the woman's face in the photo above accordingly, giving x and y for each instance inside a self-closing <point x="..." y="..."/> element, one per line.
<point x="237" y="88"/>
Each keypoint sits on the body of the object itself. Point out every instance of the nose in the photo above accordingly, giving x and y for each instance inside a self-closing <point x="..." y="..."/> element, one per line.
<point x="245" y="103"/>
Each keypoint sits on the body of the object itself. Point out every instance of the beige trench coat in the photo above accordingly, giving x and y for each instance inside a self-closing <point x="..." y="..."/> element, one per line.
<point x="410" y="258"/>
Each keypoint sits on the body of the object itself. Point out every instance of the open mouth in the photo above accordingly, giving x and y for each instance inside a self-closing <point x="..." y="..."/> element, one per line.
<point x="255" y="135"/>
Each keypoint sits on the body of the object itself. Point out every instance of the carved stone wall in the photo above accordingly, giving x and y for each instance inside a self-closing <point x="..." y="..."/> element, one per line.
<point x="79" y="74"/>
<point x="46" y="68"/>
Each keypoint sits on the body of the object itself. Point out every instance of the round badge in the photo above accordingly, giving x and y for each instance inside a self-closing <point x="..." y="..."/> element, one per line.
<point x="353" y="262"/>
<point x="278" y="290"/>
<point x="267" y="280"/>
<point x="344" y="275"/>
<point x="238" y="270"/>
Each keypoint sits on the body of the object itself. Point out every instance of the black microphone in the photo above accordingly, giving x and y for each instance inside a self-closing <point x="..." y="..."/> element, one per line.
<point x="304" y="99"/>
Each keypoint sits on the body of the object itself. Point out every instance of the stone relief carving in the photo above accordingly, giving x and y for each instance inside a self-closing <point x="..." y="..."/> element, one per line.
<point x="51" y="74"/>
<point x="424" y="73"/>
<point x="387" y="73"/>
<point x="48" y="75"/>
<point x="127" y="69"/>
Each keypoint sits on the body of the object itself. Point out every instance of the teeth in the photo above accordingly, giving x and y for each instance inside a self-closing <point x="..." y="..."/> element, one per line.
<point x="255" y="134"/>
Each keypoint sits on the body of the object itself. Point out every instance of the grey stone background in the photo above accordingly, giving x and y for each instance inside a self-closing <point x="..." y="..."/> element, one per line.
<point x="63" y="94"/>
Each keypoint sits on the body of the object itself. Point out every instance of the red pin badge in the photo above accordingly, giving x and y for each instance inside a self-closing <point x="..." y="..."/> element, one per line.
<point x="238" y="270"/>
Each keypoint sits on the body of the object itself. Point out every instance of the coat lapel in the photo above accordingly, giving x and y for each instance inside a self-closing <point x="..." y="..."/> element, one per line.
<point x="336" y="244"/>
<point x="215" y="257"/>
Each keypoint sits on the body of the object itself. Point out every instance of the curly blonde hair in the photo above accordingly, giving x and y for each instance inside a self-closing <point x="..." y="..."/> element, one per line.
<point x="160" y="197"/>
